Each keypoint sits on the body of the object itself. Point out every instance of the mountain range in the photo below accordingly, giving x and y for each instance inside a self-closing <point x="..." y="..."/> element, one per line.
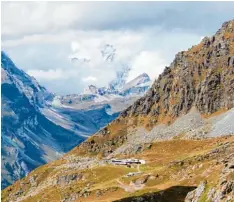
<point x="37" y="128"/>
<point x="178" y="138"/>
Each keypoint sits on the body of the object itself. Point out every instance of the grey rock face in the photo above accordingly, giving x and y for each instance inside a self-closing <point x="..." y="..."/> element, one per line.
<point x="195" y="195"/>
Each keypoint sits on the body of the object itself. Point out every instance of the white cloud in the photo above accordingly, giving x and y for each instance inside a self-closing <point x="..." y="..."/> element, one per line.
<point x="41" y="37"/>
<point x="145" y="51"/>
<point x="51" y="74"/>
<point x="89" y="79"/>
<point x="75" y="46"/>
<point x="30" y="18"/>
<point x="150" y="62"/>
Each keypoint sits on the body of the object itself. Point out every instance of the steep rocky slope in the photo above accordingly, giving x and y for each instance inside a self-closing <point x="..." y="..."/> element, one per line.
<point x="182" y="128"/>
<point x="29" y="139"/>
<point x="200" y="78"/>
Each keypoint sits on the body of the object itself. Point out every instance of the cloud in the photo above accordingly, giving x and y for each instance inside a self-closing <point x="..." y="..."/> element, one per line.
<point x="89" y="79"/>
<point x="150" y="62"/>
<point x="42" y="37"/>
<point x="48" y="57"/>
<point x="51" y="74"/>
<point x="54" y="17"/>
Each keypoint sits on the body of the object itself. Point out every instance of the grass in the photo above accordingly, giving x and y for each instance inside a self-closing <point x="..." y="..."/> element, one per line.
<point x="159" y="163"/>
<point x="107" y="173"/>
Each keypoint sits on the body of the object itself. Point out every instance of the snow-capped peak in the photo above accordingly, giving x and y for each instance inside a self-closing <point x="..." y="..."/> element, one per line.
<point x="140" y="80"/>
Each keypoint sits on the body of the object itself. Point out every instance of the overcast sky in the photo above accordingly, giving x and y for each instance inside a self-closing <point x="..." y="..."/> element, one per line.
<point x="42" y="37"/>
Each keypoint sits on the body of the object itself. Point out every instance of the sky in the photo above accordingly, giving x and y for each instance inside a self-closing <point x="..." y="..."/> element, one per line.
<point x="43" y="37"/>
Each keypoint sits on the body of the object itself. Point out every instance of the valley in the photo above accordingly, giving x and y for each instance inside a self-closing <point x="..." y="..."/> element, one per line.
<point x="181" y="129"/>
<point x="39" y="126"/>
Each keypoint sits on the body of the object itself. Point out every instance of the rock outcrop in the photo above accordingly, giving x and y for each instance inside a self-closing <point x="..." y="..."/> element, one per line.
<point x="223" y="191"/>
<point x="202" y="77"/>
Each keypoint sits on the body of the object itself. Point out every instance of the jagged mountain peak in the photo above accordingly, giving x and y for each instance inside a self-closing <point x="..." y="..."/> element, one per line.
<point x="121" y="87"/>
<point x="142" y="78"/>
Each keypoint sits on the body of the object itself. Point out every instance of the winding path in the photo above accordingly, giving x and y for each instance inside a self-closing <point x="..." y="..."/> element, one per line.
<point x="130" y="187"/>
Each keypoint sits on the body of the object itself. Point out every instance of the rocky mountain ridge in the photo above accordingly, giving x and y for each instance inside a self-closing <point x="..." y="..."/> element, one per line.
<point x="117" y="96"/>
<point x="202" y="77"/>
<point x="31" y="117"/>
<point x="33" y="132"/>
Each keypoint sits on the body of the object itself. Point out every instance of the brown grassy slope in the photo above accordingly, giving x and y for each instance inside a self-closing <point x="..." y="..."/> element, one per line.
<point x="172" y="165"/>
